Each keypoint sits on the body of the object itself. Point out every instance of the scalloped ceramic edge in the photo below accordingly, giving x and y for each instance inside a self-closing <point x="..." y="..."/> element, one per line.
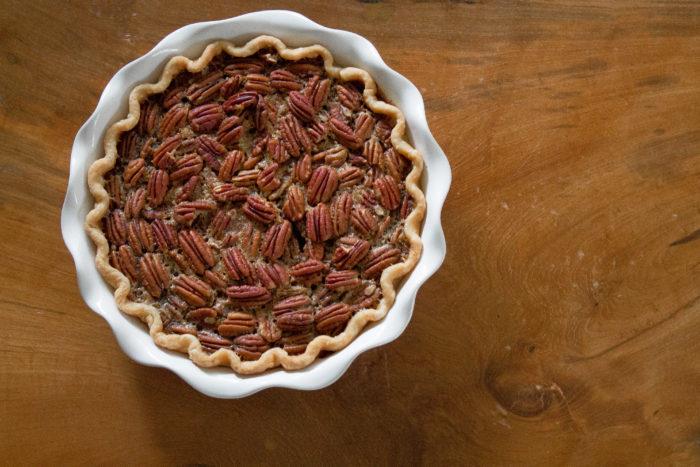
<point x="348" y="49"/>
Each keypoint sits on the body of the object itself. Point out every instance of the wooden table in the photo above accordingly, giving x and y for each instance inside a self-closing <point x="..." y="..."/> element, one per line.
<point x="564" y="326"/>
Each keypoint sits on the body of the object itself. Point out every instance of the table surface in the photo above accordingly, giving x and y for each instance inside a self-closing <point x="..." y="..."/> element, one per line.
<point x="562" y="328"/>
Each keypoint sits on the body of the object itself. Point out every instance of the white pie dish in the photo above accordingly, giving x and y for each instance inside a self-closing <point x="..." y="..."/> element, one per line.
<point x="348" y="49"/>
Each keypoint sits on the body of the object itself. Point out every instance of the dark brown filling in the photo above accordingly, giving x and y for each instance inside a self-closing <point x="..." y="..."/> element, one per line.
<point x="256" y="204"/>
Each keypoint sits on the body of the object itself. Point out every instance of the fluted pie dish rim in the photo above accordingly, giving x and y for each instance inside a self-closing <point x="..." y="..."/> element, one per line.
<point x="216" y="382"/>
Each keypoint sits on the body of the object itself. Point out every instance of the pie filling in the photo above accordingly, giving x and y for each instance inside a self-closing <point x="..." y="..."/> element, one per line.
<point x="256" y="204"/>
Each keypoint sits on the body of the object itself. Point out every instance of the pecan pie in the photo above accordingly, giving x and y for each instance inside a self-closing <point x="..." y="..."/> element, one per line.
<point x="258" y="205"/>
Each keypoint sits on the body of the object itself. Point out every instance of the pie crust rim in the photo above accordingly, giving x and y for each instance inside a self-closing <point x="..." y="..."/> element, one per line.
<point x="276" y="356"/>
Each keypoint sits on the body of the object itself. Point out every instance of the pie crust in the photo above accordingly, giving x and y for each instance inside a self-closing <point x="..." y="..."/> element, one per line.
<point x="275" y="356"/>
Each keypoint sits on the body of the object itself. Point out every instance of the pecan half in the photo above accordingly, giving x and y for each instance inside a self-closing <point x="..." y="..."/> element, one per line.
<point x="240" y="101"/>
<point x="383" y="130"/>
<point x="230" y="130"/>
<point x="294" y="136"/>
<point x="295" y="204"/>
<point x="154" y="277"/>
<point x="257" y="82"/>
<point x="175" y="306"/>
<point x="148" y="118"/>
<point x="173" y="120"/>
<point x="163" y="156"/>
<point x="317" y="131"/>
<point x="237" y="266"/>
<point x="212" y="342"/>
<point x="276" y="240"/>
<point x="308" y="271"/>
<point x="372" y="151"/>
<point x="231" y="165"/>
<point x="259" y="210"/>
<point x="319" y="226"/>
<point x="350" y="252"/>
<point x="188" y="188"/>
<point x="249" y="239"/>
<point x="290" y="304"/>
<point x="215" y="279"/>
<point x="192" y="290"/>
<point x="206" y="88"/>
<point x="266" y="180"/>
<point x="333" y="318"/>
<point x="197" y="250"/>
<point x="164" y="234"/>
<point x="250" y="346"/>
<point x="406" y="206"/>
<point x="394" y="164"/>
<point x="113" y="185"/>
<point x="223" y="192"/>
<point x="230" y="86"/>
<point x="364" y="123"/>
<point x="341" y="210"/>
<point x="301" y="106"/>
<point x="268" y="330"/>
<point x="349" y="96"/>
<point x="210" y="150"/>
<point x="244" y="66"/>
<point x="322" y="185"/>
<point x="187" y="166"/>
<point x="205" y="118"/>
<point x="324" y="297"/>
<point x="185" y="213"/>
<point x="173" y="96"/>
<point x="260" y="116"/>
<point x="115" y="227"/>
<point x="387" y="191"/>
<point x="127" y="143"/>
<point x="317" y="91"/>
<point x="134" y="170"/>
<point x="350" y="176"/>
<point x="363" y="221"/>
<point x="302" y="169"/>
<point x="201" y="314"/>
<point x="381" y="258"/>
<point x="220" y="223"/>
<point x="251" y="162"/>
<point x="344" y="134"/>
<point x="236" y="323"/>
<point x="140" y="236"/>
<point x="304" y="68"/>
<point x="284" y="80"/>
<point x="134" y="203"/>
<point x="295" y="344"/>
<point x="272" y="275"/>
<point x="248" y="295"/>
<point x="276" y="150"/>
<point x="383" y="226"/>
<point x="343" y="281"/>
<point x="296" y="321"/>
<point x="124" y="260"/>
<point x="335" y="156"/>
<point x="180" y="328"/>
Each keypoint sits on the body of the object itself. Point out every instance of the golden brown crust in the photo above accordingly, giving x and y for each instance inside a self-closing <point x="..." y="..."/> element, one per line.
<point x="149" y="314"/>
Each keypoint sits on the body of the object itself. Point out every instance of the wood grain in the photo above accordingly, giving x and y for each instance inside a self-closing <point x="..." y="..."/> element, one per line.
<point x="562" y="329"/>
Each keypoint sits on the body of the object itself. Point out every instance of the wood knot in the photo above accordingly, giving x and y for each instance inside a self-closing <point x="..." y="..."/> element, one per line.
<point x="518" y="384"/>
